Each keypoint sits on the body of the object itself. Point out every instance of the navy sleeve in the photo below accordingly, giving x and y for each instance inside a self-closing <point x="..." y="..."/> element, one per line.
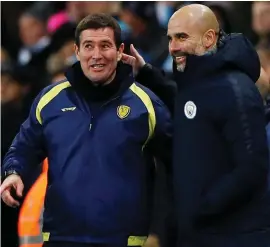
<point x="161" y="147"/>
<point x="161" y="142"/>
<point x="244" y="131"/>
<point x="153" y="79"/>
<point x="27" y="149"/>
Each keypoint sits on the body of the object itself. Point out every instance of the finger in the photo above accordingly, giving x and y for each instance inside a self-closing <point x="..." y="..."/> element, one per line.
<point x="19" y="188"/>
<point x="9" y="200"/>
<point x="125" y="57"/>
<point x="134" y="52"/>
<point x="128" y="59"/>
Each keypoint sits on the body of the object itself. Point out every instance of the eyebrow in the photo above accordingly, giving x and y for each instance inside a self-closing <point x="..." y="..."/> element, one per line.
<point x="177" y="34"/>
<point x="102" y="41"/>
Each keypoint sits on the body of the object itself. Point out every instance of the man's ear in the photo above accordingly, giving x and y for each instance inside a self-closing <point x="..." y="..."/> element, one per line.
<point x="77" y="52"/>
<point x="209" y="38"/>
<point x="120" y="52"/>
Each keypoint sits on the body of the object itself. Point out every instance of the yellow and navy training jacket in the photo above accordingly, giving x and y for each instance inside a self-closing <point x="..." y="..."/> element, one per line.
<point x="98" y="178"/>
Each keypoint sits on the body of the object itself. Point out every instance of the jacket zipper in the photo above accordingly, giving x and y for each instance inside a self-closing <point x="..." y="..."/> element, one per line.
<point x="106" y="103"/>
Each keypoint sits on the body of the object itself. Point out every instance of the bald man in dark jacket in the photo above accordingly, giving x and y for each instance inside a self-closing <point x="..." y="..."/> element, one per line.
<point x="220" y="155"/>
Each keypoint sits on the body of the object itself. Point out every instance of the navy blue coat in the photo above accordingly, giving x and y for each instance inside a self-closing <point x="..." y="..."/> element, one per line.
<point x="100" y="183"/>
<point x="220" y="156"/>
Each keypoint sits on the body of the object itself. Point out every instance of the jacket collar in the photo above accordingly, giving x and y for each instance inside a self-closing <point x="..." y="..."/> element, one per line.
<point x="234" y="52"/>
<point x="83" y="85"/>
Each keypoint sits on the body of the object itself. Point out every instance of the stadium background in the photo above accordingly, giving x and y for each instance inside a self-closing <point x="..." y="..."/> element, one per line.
<point x="37" y="47"/>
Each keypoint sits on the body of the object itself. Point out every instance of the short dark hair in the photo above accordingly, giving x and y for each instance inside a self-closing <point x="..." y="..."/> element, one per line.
<point x="96" y="21"/>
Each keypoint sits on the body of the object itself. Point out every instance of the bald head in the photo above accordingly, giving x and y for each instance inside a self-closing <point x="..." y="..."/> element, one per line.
<point x="192" y="29"/>
<point x="199" y="17"/>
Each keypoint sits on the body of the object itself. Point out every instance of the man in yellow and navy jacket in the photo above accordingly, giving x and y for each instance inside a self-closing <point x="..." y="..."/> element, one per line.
<point x="99" y="129"/>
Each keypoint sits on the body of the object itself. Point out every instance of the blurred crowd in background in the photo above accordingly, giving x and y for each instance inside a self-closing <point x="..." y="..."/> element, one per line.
<point x="37" y="45"/>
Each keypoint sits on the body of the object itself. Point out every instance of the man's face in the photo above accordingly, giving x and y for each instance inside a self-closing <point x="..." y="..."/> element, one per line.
<point x="31" y="30"/>
<point x="98" y="54"/>
<point x="261" y="17"/>
<point x="184" y="38"/>
<point x="10" y="90"/>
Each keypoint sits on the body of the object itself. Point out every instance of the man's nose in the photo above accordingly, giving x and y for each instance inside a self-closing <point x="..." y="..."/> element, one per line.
<point x="175" y="46"/>
<point x="96" y="53"/>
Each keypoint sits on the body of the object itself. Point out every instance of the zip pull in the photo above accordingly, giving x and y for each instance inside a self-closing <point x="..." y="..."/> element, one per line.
<point x="91" y="123"/>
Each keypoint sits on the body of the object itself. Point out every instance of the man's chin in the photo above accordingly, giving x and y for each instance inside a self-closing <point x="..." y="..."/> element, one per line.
<point x="98" y="80"/>
<point x="180" y="68"/>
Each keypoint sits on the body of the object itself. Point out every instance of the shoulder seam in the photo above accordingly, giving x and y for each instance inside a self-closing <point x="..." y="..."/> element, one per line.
<point x="48" y="96"/>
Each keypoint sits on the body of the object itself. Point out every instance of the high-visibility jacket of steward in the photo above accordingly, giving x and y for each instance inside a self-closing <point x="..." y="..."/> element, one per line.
<point x="29" y="223"/>
<point x="100" y="182"/>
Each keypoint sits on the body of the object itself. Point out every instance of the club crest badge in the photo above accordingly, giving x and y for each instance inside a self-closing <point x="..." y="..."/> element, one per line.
<point x="190" y="110"/>
<point x="123" y="111"/>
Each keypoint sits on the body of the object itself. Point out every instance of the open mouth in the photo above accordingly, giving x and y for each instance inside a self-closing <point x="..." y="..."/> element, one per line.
<point x="97" y="66"/>
<point x="180" y="59"/>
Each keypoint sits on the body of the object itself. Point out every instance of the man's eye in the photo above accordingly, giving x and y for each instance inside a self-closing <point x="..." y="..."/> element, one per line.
<point x="181" y="37"/>
<point x="88" y="46"/>
<point x="105" y="46"/>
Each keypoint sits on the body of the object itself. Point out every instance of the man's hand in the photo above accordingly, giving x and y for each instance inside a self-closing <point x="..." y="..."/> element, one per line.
<point x="135" y="60"/>
<point x="11" y="182"/>
<point x="152" y="241"/>
<point x="263" y="84"/>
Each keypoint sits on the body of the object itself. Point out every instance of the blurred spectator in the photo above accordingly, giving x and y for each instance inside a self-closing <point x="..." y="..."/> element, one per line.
<point x="63" y="42"/>
<point x="261" y="22"/>
<point x="10" y="11"/>
<point x="74" y="12"/>
<point x="15" y="88"/>
<point x="164" y="11"/>
<point x="63" y="55"/>
<point x="56" y="66"/>
<point x="32" y="27"/>
<point x="77" y="10"/>
<point x="109" y="7"/>
<point x="12" y="89"/>
<point x="36" y="43"/>
<point x="139" y="17"/>
<point x="261" y="26"/>
<point x="144" y="30"/>
<point x="4" y="56"/>
<point x="9" y="216"/>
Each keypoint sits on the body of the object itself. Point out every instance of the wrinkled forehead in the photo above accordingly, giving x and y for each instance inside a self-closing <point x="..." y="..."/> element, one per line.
<point x="184" y="25"/>
<point x="181" y="25"/>
<point x="98" y="35"/>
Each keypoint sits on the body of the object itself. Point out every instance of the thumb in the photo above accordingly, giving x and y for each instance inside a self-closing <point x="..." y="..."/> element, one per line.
<point x="19" y="188"/>
<point x="4" y="186"/>
<point x="134" y="52"/>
